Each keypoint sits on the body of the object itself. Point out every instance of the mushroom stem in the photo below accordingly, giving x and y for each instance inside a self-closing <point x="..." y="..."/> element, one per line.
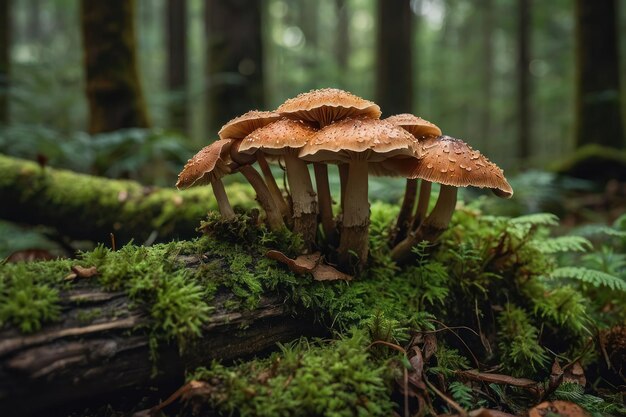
<point x="422" y="204"/>
<point x="277" y="195"/>
<point x="404" y="217"/>
<point x="355" y="225"/>
<point x="222" y="199"/>
<point x="436" y="223"/>
<point x="343" y="181"/>
<point x="303" y="197"/>
<point x="274" y="218"/>
<point x="439" y="218"/>
<point x="324" y="199"/>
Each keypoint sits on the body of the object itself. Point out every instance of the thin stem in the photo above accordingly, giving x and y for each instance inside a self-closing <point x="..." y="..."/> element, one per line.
<point x="343" y="181"/>
<point x="355" y="225"/>
<point x="439" y="218"/>
<point x="277" y="195"/>
<point x="324" y="199"/>
<point x="303" y="197"/>
<point x="274" y="218"/>
<point x="222" y="199"/>
<point x="404" y="217"/>
<point x="422" y="204"/>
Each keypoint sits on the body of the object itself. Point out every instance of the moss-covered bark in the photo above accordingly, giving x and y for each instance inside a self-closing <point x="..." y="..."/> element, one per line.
<point x="86" y="207"/>
<point x="598" y="102"/>
<point x="112" y="81"/>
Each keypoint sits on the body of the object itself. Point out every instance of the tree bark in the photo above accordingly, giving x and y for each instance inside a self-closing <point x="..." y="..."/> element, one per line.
<point x="523" y="81"/>
<point x="342" y="43"/>
<point x="112" y="81"/>
<point x="394" y="69"/>
<point x="87" y="207"/>
<point x="487" y="72"/>
<point x="86" y="362"/>
<point x="5" y="48"/>
<point x="598" y="104"/>
<point x="235" y="59"/>
<point x="176" y="21"/>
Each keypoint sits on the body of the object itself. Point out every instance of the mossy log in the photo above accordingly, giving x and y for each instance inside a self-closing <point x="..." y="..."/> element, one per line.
<point x="87" y="207"/>
<point x="100" y="348"/>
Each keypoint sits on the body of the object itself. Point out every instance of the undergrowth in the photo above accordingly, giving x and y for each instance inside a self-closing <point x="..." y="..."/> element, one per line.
<point x="499" y="293"/>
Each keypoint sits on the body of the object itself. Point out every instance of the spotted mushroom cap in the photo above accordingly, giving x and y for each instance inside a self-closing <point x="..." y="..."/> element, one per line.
<point x="204" y="166"/>
<point x="242" y="126"/>
<point x="451" y="161"/>
<point x="362" y="138"/>
<point x="417" y="126"/>
<point x="277" y="138"/>
<point x="327" y="105"/>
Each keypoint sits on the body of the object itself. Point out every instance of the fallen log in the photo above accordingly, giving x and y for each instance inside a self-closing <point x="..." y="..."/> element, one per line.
<point x="100" y="348"/>
<point x="86" y="207"/>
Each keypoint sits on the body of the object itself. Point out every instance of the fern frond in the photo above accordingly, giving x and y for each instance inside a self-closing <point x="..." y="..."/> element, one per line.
<point x="562" y="244"/>
<point x="538" y="219"/>
<point x="590" y="276"/>
<point x="575" y="393"/>
<point x="462" y="394"/>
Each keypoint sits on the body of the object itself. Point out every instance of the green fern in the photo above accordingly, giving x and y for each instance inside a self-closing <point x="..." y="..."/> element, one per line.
<point x="462" y="394"/>
<point x="575" y="393"/>
<point x="448" y="361"/>
<point x="538" y="219"/>
<point x="562" y="244"/>
<point x="589" y="276"/>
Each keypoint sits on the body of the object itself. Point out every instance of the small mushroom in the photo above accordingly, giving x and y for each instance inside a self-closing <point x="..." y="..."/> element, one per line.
<point x="285" y="138"/>
<point x="207" y="167"/>
<point x="452" y="163"/>
<point x="323" y="107"/>
<point x="240" y="127"/>
<point x="357" y="142"/>
<point x="420" y="129"/>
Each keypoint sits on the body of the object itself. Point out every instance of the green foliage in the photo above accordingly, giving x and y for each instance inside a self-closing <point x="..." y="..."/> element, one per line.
<point x="337" y="378"/>
<point x="597" y="406"/>
<point x="562" y="244"/>
<point x="518" y="341"/>
<point x="449" y="361"/>
<point x="590" y="276"/>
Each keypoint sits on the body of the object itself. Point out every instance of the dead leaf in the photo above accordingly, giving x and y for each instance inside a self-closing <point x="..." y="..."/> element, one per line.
<point x="323" y="272"/>
<point x="82" y="272"/>
<point x="500" y="379"/>
<point x="430" y="346"/>
<point x="575" y="374"/>
<point x="309" y="264"/>
<point x="484" y="412"/>
<point x="561" y="408"/>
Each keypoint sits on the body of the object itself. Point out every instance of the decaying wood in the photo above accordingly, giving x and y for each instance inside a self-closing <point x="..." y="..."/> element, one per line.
<point x="81" y="360"/>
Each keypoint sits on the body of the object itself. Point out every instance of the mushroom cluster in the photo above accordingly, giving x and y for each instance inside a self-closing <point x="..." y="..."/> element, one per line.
<point x="332" y="126"/>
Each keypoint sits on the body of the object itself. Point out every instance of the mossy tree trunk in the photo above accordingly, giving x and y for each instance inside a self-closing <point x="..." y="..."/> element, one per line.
<point x="176" y="20"/>
<point x="394" y="61"/>
<point x="99" y="349"/>
<point x="5" y="47"/>
<point x="235" y="59"/>
<point x="86" y="207"/>
<point x="598" y="105"/>
<point x="112" y="82"/>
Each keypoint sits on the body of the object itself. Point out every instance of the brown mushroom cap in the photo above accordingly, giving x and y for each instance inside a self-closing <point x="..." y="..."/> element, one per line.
<point x="278" y="137"/>
<point x="451" y="161"/>
<point x="204" y="166"/>
<point x="417" y="126"/>
<point x="327" y="105"/>
<point x="242" y="126"/>
<point x="372" y="139"/>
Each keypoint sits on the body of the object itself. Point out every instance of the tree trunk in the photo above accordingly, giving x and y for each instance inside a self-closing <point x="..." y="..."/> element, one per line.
<point x="34" y="31"/>
<point x="394" y="76"/>
<point x="112" y="81"/>
<point x="176" y="15"/>
<point x="487" y="73"/>
<point x="100" y="350"/>
<point x="523" y="80"/>
<point x="342" y="43"/>
<point x="86" y="207"/>
<point x="598" y="104"/>
<point x="5" y="59"/>
<point x="235" y="54"/>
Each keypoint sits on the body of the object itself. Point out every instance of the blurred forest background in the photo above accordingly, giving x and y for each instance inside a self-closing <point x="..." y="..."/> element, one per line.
<point x="131" y="89"/>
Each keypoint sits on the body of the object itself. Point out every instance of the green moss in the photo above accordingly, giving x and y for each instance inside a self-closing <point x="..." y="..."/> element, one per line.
<point x="594" y="162"/>
<point x="337" y="378"/>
